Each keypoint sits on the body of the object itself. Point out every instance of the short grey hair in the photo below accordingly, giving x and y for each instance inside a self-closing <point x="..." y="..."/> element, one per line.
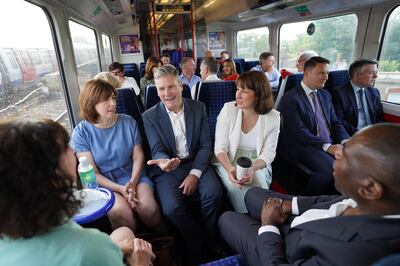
<point x="307" y="54"/>
<point x="167" y="70"/>
<point x="211" y="63"/>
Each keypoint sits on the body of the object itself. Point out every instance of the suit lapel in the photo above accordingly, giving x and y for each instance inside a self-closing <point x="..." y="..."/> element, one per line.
<point x="344" y="228"/>
<point x="167" y="129"/>
<point x="305" y="102"/>
<point x="368" y="96"/>
<point x="352" y="98"/>
<point x="188" y="123"/>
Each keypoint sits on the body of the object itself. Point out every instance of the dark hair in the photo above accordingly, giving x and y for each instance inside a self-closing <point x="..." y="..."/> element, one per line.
<point x="34" y="195"/>
<point x="224" y="52"/>
<point x="165" y="55"/>
<point x="116" y="65"/>
<point x="233" y="68"/>
<point x="211" y="63"/>
<point x="256" y="81"/>
<point x="358" y="64"/>
<point x="265" y="55"/>
<point x="93" y="92"/>
<point x="313" y="61"/>
<point x="151" y="63"/>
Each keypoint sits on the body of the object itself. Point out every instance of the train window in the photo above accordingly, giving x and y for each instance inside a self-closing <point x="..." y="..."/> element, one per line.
<point x="85" y="50"/>
<point x="251" y="43"/>
<point x="107" y="51"/>
<point x="388" y="81"/>
<point x="332" y="38"/>
<point x="30" y="84"/>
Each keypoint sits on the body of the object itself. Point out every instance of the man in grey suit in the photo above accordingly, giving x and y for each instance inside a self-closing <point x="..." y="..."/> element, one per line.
<point x="355" y="229"/>
<point x="180" y="143"/>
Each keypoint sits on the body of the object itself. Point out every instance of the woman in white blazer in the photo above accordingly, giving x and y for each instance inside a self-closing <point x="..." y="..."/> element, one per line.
<point x="247" y="127"/>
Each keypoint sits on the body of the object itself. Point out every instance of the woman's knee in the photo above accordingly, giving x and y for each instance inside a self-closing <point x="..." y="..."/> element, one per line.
<point x="121" y="211"/>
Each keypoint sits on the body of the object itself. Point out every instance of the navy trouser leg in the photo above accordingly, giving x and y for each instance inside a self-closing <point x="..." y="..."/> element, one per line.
<point x="321" y="163"/>
<point x="240" y="232"/>
<point x="173" y="204"/>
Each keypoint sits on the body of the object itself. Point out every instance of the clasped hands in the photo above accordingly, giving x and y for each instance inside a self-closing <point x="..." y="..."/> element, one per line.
<point x="137" y="252"/>
<point x="129" y="193"/>
<point x="275" y="211"/>
<point x="245" y="180"/>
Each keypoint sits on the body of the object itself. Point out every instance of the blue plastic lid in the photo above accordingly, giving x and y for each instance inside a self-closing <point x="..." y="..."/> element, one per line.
<point x="96" y="203"/>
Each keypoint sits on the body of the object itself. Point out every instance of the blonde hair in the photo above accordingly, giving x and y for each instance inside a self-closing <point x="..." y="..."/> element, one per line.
<point x="110" y="78"/>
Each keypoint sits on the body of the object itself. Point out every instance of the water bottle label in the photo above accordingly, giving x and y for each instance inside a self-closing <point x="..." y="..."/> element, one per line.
<point x="88" y="179"/>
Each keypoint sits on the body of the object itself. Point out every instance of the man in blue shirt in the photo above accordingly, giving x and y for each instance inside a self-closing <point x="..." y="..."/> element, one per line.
<point x="266" y="66"/>
<point x="188" y="68"/>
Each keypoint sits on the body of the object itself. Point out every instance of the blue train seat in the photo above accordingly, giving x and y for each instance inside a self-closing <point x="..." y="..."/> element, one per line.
<point x="131" y="70"/>
<point x="336" y="78"/>
<point x="235" y="260"/>
<point x="214" y="95"/>
<point x="151" y="97"/>
<point x="127" y="103"/>
<point x="286" y="85"/>
<point x="239" y="65"/>
<point x="250" y="64"/>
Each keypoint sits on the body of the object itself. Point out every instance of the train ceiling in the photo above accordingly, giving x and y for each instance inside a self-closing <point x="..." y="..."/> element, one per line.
<point x="113" y="14"/>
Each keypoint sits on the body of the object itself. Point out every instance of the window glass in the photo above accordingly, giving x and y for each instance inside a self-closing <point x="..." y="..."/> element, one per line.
<point x="251" y="43"/>
<point x="85" y="50"/>
<point x="332" y="38"/>
<point x="30" y="84"/>
<point x="388" y="81"/>
<point x="107" y="51"/>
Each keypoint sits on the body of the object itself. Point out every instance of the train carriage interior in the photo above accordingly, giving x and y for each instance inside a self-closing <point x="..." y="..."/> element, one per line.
<point x="49" y="49"/>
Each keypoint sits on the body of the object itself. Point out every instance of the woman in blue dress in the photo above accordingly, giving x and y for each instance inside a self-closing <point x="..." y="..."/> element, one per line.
<point x="112" y="144"/>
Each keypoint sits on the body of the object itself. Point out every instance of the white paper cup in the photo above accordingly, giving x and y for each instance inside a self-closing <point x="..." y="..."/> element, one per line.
<point x="243" y="165"/>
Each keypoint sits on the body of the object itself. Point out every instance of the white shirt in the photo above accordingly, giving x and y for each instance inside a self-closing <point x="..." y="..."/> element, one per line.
<point x="334" y="210"/>
<point x="130" y="82"/>
<point x="248" y="141"/>
<point x="179" y="129"/>
<point x="210" y="78"/>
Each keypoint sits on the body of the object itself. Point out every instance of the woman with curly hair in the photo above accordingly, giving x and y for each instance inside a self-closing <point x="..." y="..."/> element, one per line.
<point x="38" y="173"/>
<point x="151" y="65"/>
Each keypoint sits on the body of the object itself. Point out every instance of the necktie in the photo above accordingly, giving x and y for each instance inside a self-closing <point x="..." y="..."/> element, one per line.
<point x="364" y="106"/>
<point x="319" y="117"/>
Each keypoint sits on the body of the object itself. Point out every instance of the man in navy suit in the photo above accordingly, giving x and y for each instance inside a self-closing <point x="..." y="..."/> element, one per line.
<point x="311" y="132"/>
<point x="358" y="228"/>
<point x="357" y="103"/>
<point x="180" y="142"/>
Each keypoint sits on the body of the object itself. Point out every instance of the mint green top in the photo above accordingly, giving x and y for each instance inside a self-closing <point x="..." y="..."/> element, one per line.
<point x="65" y="245"/>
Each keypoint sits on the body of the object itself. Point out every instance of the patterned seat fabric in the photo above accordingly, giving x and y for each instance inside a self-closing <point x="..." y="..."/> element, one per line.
<point x="127" y="103"/>
<point x="214" y="95"/>
<point x="336" y="78"/>
<point x="132" y="70"/>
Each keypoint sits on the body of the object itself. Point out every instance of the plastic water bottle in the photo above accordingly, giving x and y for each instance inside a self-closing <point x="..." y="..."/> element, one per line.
<point x="86" y="173"/>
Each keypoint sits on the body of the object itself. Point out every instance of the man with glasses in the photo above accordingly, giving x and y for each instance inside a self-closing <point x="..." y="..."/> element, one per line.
<point x="117" y="70"/>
